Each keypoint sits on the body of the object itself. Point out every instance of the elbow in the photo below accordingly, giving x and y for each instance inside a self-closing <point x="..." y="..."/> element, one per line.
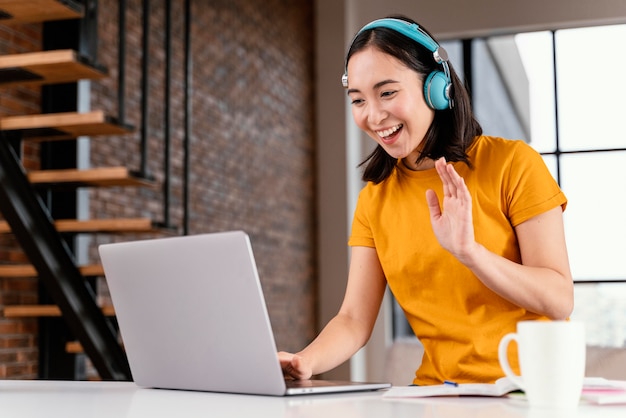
<point x="561" y="313"/>
<point x="564" y="306"/>
<point x="364" y="336"/>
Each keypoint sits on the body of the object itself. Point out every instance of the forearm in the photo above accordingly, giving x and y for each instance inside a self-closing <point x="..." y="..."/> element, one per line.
<point x="542" y="290"/>
<point x="342" y="337"/>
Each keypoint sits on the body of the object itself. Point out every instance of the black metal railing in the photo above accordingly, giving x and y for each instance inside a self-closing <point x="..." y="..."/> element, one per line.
<point x="30" y="213"/>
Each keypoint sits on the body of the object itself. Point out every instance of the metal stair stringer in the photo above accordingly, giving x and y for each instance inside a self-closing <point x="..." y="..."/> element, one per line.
<point x="35" y="232"/>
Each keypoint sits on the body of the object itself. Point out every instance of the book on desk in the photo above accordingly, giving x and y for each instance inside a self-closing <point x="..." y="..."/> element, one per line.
<point x="595" y="390"/>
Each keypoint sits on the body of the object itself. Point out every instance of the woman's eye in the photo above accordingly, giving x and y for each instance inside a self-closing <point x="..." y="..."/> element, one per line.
<point x="388" y="93"/>
<point x="356" y="101"/>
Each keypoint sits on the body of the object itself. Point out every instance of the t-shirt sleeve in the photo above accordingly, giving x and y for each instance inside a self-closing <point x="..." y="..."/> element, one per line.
<point x="531" y="189"/>
<point x="361" y="235"/>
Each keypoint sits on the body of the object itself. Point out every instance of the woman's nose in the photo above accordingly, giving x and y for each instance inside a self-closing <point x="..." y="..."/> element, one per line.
<point x="376" y="114"/>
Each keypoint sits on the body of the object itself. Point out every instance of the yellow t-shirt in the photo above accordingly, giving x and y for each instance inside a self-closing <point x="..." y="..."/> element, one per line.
<point x="458" y="320"/>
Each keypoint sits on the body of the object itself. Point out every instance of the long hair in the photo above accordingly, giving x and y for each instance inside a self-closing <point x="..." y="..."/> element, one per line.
<point x="452" y="130"/>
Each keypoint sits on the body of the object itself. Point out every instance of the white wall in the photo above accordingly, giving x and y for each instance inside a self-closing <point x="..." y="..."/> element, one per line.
<point x="332" y="202"/>
<point x="453" y="19"/>
<point x="340" y="146"/>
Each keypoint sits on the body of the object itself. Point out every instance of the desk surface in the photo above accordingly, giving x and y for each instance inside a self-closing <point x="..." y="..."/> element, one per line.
<point x="51" y="399"/>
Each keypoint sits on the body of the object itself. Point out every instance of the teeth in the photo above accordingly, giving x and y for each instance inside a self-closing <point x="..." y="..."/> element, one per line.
<point x="389" y="131"/>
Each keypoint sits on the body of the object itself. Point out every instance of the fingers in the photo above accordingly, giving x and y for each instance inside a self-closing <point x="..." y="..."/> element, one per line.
<point x="292" y="366"/>
<point x="453" y="184"/>
<point x="433" y="204"/>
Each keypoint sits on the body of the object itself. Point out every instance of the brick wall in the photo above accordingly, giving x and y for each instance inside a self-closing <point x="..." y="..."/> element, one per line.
<point x="18" y="337"/>
<point x="252" y="148"/>
<point x="252" y="144"/>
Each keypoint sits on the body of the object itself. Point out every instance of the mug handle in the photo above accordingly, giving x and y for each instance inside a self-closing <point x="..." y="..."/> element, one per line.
<point x="504" y="359"/>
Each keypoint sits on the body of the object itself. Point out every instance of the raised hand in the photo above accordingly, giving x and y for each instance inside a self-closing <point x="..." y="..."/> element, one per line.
<point x="452" y="223"/>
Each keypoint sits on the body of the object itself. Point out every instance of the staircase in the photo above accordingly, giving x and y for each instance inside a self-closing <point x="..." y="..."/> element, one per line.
<point x="44" y="236"/>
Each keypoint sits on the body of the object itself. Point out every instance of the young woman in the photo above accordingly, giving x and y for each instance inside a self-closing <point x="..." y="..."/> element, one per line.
<point x="465" y="229"/>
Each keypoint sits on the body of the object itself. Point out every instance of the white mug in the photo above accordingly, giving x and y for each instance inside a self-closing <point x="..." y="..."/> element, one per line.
<point x="552" y="361"/>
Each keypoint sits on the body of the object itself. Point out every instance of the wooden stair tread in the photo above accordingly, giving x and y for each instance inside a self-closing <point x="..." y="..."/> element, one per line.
<point x="66" y="125"/>
<point x="47" y="67"/>
<point x="22" y="311"/>
<point x="94" y="177"/>
<point x="21" y="11"/>
<point x="122" y="225"/>
<point x="75" y="347"/>
<point x="27" y="270"/>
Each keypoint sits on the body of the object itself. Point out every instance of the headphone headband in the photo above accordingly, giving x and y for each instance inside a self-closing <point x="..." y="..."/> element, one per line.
<point x="408" y="29"/>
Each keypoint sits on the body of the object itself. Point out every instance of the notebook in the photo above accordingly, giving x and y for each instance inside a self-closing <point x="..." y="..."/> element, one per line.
<point x="192" y="316"/>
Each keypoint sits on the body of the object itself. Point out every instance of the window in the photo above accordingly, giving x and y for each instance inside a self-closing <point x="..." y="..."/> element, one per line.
<point x="578" y="125"/>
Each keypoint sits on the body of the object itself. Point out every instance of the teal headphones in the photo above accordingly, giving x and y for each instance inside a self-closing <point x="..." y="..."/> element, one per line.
<point x="438" y="84"/>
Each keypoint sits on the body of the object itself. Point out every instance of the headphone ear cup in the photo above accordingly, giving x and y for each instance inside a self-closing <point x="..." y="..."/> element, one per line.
<point x="436" y="89"/>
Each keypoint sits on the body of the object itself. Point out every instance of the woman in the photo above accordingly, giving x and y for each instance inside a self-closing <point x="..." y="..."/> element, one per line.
<point x="466" y="229"/>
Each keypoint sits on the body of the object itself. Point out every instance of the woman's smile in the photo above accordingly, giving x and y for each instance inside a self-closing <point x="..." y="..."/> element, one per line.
<point x="389" y="136"/>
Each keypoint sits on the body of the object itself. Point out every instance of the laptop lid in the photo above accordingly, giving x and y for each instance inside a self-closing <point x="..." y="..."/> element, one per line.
<point x="192" y="316"/>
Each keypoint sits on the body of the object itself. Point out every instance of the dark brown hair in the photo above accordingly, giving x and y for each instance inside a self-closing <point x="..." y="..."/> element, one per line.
<point x="452" y="130"/>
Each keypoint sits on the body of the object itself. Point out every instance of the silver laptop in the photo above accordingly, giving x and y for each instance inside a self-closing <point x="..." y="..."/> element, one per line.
<point x="192" y="316"/>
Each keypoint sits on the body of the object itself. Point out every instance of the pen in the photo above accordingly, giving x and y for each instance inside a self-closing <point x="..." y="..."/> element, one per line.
<point x="450" y="383"/>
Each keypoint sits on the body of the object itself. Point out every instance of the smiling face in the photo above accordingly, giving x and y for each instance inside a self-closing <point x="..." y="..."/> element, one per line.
<point x="388" y="104"/>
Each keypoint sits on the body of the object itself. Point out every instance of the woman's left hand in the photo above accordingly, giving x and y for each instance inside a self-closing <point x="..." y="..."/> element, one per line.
<point x="452" y="224"/>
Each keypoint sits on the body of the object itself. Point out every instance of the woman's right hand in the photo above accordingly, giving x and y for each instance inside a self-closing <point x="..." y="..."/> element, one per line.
<point x="294" y="366"/>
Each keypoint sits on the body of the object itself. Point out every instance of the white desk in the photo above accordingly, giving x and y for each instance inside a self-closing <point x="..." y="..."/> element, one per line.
<point x="50" y="399"/>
